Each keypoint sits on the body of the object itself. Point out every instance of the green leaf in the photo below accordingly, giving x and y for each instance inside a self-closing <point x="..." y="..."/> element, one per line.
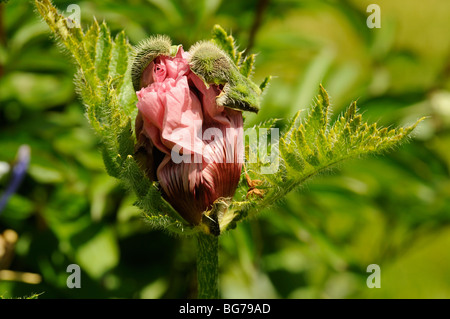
<point x="312" y="145"/>
<point x="244" y="64"/>
<point x="104" y="84"/>
<point x="225" y="42"/>
<point x="119" y="57"/>
<point x="265" y="83"/>
<point x="103" y="53"/>
<point x="247" y="66"/>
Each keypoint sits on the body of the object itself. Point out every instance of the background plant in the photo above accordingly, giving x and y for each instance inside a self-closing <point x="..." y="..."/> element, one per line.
<point x="326" y="224"/>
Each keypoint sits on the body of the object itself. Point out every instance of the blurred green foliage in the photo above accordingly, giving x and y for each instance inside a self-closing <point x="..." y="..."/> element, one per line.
<point x="393" y="210"/>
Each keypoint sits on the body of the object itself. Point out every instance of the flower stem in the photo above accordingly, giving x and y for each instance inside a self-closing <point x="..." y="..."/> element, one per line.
<point x="207" y="266"/>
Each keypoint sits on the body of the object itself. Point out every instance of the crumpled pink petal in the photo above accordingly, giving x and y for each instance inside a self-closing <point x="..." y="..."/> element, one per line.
<point x="175" y="114"/>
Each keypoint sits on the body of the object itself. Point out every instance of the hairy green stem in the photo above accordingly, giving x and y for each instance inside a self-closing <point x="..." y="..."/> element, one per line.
<point x="207" y="266"/>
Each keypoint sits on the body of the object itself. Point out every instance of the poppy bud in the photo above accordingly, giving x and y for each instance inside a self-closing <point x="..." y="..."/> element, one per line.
<point x="187" y="142"/>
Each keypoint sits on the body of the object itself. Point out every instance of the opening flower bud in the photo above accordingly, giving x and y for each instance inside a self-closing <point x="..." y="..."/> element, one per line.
<point x="187" y="142"/>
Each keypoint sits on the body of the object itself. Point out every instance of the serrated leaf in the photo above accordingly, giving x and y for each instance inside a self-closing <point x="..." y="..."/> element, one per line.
<point x="119" y="60"/>
<point x="312" y="146"/>
<point x="111" y="166"/>
<point x="351" y="111"/>
<point x="90" y="41"/>
<point x="125" y="139"/>
<point x="225" y="41"/>
<point x="270" y="123"/>
<point x="103" y="53"/>
<point x="265" y="83"/>
<point x="246" y="67"/>
<point x="293" y="125"/>
<point x="293" y="159"/>
<point x="104" y="84"/>
<point x="133" y="175"/>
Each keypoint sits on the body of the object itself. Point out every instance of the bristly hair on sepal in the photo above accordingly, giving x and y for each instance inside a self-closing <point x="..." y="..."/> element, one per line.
<point x="145" y="52"/>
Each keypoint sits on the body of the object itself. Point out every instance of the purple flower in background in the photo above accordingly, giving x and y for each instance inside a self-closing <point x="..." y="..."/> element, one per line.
<point x="18" y="173"/>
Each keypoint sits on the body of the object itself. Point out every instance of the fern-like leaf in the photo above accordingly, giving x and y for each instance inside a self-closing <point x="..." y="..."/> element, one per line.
<point x="311" y="146"/>
<point x="104" y="84"/>
<point x="245" y="64"/>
